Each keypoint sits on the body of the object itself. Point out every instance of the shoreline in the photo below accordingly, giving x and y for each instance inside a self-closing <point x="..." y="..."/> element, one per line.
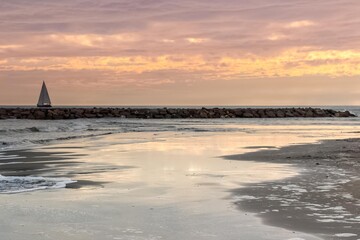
<point x="58" y="113"/>
<point x="324" y="199"/>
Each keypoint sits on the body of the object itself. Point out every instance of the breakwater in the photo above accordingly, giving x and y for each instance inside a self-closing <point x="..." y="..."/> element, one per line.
<point x="167" y="113"/>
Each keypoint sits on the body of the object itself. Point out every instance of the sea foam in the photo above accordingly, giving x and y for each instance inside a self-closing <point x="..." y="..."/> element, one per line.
<point x="14" y="184"/>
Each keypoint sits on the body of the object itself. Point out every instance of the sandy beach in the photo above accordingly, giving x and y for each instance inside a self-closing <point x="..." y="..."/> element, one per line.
<point x="324" y="199"/>
<point x="185" y="179"/>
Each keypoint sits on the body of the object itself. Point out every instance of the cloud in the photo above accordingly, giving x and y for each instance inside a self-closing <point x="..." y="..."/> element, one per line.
<point x="91" y="40"/>
<point x="300" y="24"/>
<point x="170" y="42"/>
<point x="276" y="37"/>
<point x="7" y="48"/>
<point x="290" y="63"/>
<point x="197" y="40"/>
<point x="233" y="26"/>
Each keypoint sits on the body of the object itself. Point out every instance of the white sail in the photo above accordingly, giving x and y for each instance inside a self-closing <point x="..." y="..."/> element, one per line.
<point x="44" y="99"/>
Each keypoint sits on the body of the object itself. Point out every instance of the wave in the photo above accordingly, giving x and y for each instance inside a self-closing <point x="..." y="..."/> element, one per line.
<point x="21" y="130"/>
<point x="20" y="134"/>
<point x="30" y="142"/>
<point x="41" y="127"/>
<point x="14" y="184"/>
<point x="38" y="130"/>
<point x="41" y="141"/>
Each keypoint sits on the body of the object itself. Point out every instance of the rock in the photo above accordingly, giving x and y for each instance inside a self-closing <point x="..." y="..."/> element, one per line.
<point x="319" y="113"/>
<point x="203" y="114"/>
<point x="309" y="113"/>
<point x="300" y="112"/>
<point x="347" y="114"/>
<point x="343" y="114"/>
<point x="289" y="114"/>
<point x="261" y="113"/>
<point x="163" y="111"/>
<point x="39" y="114"/>
<point x="78" y="112"/>
<point x="280" y="113"/>
<point x="248" y="115"/>
<point x="71" y="113"/>
<point x="270" y="114"/>
<point x="25" y="113"/>
<point x="237" y="112"/>
<point x="254" y="112"/>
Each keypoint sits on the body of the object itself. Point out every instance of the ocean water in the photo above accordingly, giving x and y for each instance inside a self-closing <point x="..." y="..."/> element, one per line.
<point x="20" y="134"/>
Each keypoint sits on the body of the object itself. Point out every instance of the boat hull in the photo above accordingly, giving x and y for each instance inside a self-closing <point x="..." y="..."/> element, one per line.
<point x="44" y="106"/>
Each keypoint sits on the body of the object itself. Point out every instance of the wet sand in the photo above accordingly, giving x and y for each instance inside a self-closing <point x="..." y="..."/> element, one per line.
<point x="37" y="162"/>
<point x="324" y="199"/>
<point x="138" y="186"/>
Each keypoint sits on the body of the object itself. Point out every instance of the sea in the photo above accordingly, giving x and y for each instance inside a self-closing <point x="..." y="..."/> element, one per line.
<point x="20" y="134"/>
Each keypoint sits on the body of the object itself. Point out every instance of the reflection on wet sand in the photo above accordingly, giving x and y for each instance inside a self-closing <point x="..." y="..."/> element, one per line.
<point x="141" y="186"/>
<point x="51" y="164"/>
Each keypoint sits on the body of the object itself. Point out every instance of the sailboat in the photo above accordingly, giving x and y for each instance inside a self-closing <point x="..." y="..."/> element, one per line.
<point x="44" y="99"/>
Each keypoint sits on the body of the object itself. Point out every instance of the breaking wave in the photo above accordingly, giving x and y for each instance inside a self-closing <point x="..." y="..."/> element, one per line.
<point x="12" y="185"/>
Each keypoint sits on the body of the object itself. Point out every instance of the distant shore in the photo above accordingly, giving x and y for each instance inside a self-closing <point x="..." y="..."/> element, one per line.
<point x="167" y="113"/>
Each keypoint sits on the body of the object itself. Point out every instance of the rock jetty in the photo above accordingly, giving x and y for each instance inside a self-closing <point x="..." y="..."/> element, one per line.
<point x="167" y="113"/>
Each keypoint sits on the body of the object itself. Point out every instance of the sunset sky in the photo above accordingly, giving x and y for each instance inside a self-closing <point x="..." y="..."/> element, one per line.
<point x="181" y="52"/>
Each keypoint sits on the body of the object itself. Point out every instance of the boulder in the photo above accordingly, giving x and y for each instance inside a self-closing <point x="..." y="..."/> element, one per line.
<point x="238" y="112"/>
<point x="39" y="114"/>
<point x="280" y="113"/>
<point x="3" y="112"/>
<point x="289" y="114"/>
<point x="270" y="114"/>
<point x="309" y="113"/>
<point x="300" y="112"/>
<point x="203" y="114"/>
<point x="248" y="115"/>
<point x="319" y="113"/>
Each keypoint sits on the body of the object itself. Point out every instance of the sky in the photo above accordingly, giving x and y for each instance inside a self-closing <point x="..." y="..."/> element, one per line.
<point x="180" y="52"/>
